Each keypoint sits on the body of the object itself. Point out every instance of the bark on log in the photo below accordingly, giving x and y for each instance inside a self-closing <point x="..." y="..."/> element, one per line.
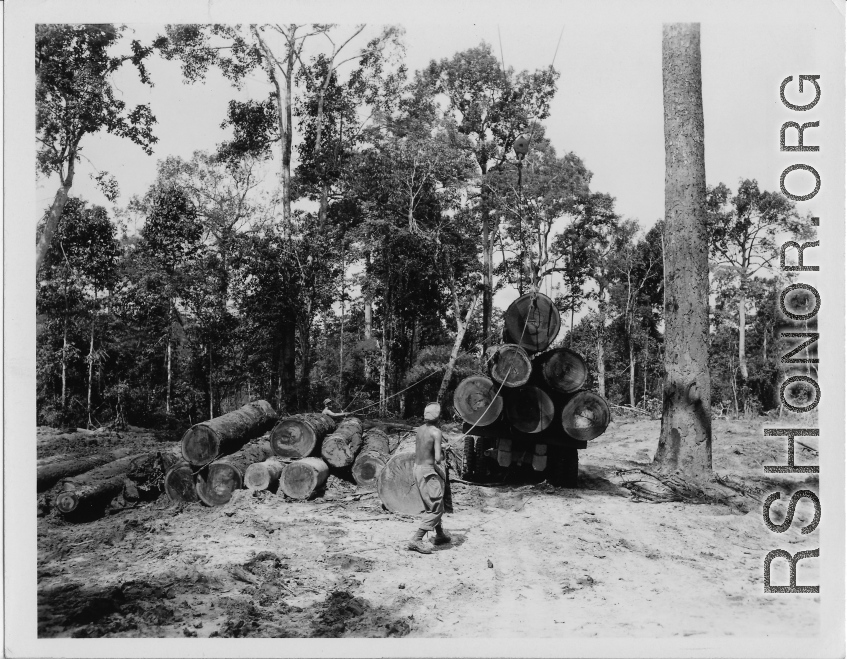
<point x="264" y="475"/>
<point x="50" y="474"/>
<point x="300" y="436"/>
<point x="216" y="483"/>
<point x="376" y="447"/>
<point x="529" y="409"/>
<point x="396" y="485"/>
<point x="563" y="370"/>
<point x="341" y="447"/>
<point x="586" y="416"/>
<point x="476" y="400"/>
<point x="179" y="483"/>
<point x="537" y="321"/>
<point x="510" y="366"/>
<point x="226" y="434"/>
<point x="94" y="488"/>
<point x="302" y="477"/>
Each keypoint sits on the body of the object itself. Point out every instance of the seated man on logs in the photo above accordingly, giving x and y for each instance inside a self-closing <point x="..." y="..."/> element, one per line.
<point x="430" y="473"/>
<point x="335" y="416"/>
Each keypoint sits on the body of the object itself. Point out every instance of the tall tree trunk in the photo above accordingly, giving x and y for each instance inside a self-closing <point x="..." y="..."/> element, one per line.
<point x="91" y="358"/>
<point x="631" y="375"/>
<point x="170" y="326"/>
<point x="65" y="351"/>
<point x="368" y="304"/>
<point x="305" y="385"/>
<point x="742" y="328"/>
<point x="383" y="369"/>
<point x="287" y="136"/>
<point x="487" y="266"/>
<point x="55" y="213"/>
<point x="601" y="329"/>
<point x="460" y="335"/>
<point x="287" y="365"/>
<point x="685" y="442"/>
<point x="211" y="388"/>
<point x="341" y="335"/>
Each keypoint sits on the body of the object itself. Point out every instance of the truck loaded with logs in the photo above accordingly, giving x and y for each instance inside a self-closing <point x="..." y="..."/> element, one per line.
<point x="532" y="408"/>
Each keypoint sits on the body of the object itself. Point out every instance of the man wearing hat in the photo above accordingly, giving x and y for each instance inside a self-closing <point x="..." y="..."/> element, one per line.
<point x="328" y="411"/>
<point x="430" y="473"/>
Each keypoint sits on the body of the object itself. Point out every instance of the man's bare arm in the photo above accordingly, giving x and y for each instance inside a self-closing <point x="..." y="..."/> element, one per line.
<point x="437" y="445"/>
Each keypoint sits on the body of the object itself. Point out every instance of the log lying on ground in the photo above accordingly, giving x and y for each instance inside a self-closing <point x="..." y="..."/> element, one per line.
<point x="179" y="483"/>
<point x="93" y="488"/>
<point x="300" y="436"/>
<point x="302" y="477"/>
<point x="586" y="416"/>
<point x="529" y="409"/>
<point x="396" y="485"/>
<point x="50" y="474"/>
<point x="216" y="483"/>
<point x="563" y="370"/>
<point x="264" y="475"/>
<point x="145" y="478"/>
<point x="510" y="365"/>
<point x="536" y="320"/>
<point x="376" y="448"/>
<point x="339" y="449"/>
<point x="476" y="400"/>
<point x="225" y="434"/>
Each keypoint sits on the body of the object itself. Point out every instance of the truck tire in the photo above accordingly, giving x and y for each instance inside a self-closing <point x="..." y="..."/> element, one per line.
<point x="468" y="459"/>
<point x="564" y="470"/>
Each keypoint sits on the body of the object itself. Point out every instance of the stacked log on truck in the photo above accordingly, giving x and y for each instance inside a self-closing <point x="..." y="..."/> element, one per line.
<point x="534" y="409"/>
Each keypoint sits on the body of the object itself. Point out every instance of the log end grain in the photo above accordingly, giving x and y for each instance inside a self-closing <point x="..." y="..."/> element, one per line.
<point x="510" y="366"/>
<point x="396" y="485"/>
<point x="66" y="502"/>
<point x="529" y="409"/>
<point x="179" y="483"/>
<point x="200" y="445"/>
<point x="532" y="322"/>
<point x="300" y="436"/>
<point x="586" y="416"/>
<point x="302" y="477"/>
<point x="263" y="475"/>
<point x="564" y="370"/>
<point x="367" y="468"/>
<point x="476" y="400"/>
<point x="217" y="482"/>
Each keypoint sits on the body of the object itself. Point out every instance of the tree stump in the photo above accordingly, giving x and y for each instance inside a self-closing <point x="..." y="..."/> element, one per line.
<point x="216" y="483"/>
<point x="563" y="370"/>
<point x="536" y="320"/>
<point x="340" y="448"/>
<point x="586" y="416"/>
<point x="529" y="409"/>
<point x="225" y="434"/>
<point x="302" y="477"/>
<point x="50" y="474"/>
<point x="510" y="366"/>
<point x="179" y="483"/>
<point x="396" y="485"/>
<point x="300" y="436"/>
<point x="476" y="400"/>
<point x="376" y="447"/>
<point x="263" y="475"/>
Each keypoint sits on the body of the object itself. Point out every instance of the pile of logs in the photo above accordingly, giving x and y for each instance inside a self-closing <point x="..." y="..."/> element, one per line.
<point x="248" y="448"/>
<point x="532" y="393"/>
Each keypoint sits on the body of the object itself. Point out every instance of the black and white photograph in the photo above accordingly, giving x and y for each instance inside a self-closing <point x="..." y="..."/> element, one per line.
<point x="368" y="329"/>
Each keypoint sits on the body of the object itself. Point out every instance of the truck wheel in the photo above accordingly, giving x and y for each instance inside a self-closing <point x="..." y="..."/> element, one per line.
<point x="468" y="459"/>
<point x="481" y="465"/>
<point x="564" y="471"/>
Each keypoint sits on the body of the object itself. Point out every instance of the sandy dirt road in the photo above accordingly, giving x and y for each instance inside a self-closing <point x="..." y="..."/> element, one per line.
<point x="527" y="560"/>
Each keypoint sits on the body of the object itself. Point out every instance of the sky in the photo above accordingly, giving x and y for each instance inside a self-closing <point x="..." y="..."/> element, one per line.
<point x="608" y="107"/>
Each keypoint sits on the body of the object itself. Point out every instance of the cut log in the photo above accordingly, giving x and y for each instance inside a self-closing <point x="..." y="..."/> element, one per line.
<point x="93" y="488"/>
<point x="510" y="366"/>
<point x="225" y="434"/>
<point x="300" y="436"/>
<point x="302" y="477"/>
<point x="50" y="474"/>
<point x="476" y="400"/>
<point x="216" y="483"/>
<point x="396" y="485"/>
<point x="179" y="483"/>
<point x="536" y="320"/>
<point x="146" y="476"/>
<point x="340" y="448"/>
<point x="264" y="475"/>
<point x="586" y="416"/>
<point x="376" y="447"/>
<point x="563" y="370"/>
<point x="529" y="409"/>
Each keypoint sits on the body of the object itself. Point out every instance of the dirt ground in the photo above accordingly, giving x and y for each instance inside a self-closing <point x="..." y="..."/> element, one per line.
<point x="527" y="559"/>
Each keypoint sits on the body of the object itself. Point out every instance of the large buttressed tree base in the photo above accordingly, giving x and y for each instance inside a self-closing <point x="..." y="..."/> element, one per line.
<point x="685" y="443"/>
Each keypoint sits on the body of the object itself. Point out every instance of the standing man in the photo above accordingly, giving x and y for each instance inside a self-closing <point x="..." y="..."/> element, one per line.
<point x="430" y="473"/>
